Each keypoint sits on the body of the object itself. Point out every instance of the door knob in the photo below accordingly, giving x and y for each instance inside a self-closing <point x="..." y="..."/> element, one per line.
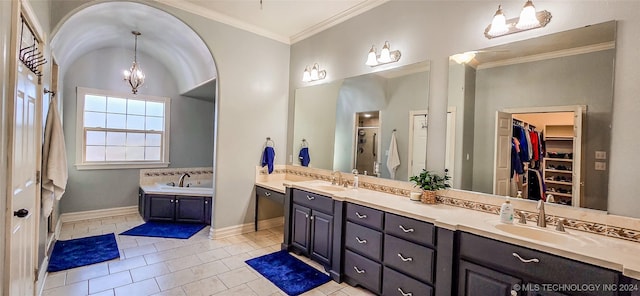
<point x="21" y="213"/>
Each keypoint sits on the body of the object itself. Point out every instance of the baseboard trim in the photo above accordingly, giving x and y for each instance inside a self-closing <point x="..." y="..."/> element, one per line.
<point x="98" y="214"/>
<point x="245" y="228"/>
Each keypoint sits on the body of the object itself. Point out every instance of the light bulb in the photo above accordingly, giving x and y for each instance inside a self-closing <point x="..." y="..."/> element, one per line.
<point x="306" y="76"/>
<point x="314" y="72"/>
<point x="498" y="24"/>
<point x="528" y="18"/>
<point x="371" y="58"/>
<point x="385" y="56"/>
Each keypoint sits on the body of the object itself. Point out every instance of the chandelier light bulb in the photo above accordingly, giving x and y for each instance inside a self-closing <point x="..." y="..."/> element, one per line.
<point x="134" y="76"/>
<point x="306" y="75"/>
<point x="314" y="72"/>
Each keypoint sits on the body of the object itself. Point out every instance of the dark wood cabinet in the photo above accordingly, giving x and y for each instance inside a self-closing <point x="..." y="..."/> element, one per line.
<point x="175" y="208"/>
<point x="477" y="280"/>
<point x="321" y="237"/>
<point x="312" y="226"/>
<point x="492" y="265"/>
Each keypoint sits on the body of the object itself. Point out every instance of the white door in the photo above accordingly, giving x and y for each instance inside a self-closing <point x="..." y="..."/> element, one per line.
<point x="24" y="149"/>
<point x="502" y="160"/>
<point x="418" y="144"/>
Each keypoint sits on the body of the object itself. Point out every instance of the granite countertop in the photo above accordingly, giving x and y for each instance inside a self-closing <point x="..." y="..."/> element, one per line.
<point x="612" y="253"/>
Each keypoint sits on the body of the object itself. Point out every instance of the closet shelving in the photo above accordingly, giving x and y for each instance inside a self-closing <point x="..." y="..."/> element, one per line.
<point x="558" y="162"/>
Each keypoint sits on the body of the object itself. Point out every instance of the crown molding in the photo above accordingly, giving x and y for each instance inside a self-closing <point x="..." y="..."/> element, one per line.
<point x="337" y="19"/>
<point x="549" y="55"/>
<point x="308" y="32"/>
<point x="225" y="19"/>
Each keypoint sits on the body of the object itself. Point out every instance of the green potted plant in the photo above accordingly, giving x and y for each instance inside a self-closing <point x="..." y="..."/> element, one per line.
<point x="429" y="182"/>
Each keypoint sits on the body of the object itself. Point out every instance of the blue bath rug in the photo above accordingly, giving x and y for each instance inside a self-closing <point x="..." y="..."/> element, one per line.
<point x="83" y="251"/>
<point x="165" y="229"/>
<point x="291" y="275"/>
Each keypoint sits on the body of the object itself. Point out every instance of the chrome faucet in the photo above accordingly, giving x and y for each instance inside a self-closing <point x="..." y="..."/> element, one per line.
<point x="333" y="178"/>
<point x="542" y="218"/>
<point x="181" y="180"/>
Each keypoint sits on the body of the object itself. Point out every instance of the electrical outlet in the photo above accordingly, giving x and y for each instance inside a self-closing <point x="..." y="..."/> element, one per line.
<point x="601" y="155"/>
<point x="601" y="166"/>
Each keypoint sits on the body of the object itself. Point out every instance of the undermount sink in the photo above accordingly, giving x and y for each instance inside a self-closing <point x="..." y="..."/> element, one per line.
<point x="330" y="187"/>
<point x="539" y="234"/>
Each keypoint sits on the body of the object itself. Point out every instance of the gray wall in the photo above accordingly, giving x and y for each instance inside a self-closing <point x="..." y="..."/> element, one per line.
<point x="434" y="30"/>
<point x="404" y="94"/>
<point x="252" y="105"/>
<point x="584" y="79"/>
<point x="191" y="136"/>
<point x="462" y="81"/>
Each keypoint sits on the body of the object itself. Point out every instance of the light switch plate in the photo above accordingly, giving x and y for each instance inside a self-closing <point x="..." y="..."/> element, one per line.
<point x="601" y="155"/>
<point x="601" y="166"/>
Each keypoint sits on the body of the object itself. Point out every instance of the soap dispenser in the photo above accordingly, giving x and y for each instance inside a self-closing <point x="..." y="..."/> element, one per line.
<point x="355" y="178"/>
<point x="506" y="212"/>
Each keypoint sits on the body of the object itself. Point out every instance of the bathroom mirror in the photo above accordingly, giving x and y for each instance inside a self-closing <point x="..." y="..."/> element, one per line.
<point x="328" y="116"/>
<point x="524" y="87"/>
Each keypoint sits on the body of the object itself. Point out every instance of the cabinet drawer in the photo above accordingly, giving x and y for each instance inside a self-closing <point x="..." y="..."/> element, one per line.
<point x="365" y="216"/>
<point x="410" y="258"/>
<point x="549" y="269"/>
<point x="409" y="229"/>
<point x="364" y="241"/>
<point x="365" y="272"/>
<point x="313" y="201"/>
<point x="398" y="284"/>
<point x="270" y="194"/>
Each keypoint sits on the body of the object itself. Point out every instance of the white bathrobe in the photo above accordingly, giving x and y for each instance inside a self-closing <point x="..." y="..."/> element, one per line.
<point x="393" y="160"/>
<point x="54" y="160"/>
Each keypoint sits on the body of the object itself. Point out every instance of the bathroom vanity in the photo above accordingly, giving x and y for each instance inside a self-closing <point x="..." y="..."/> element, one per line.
<point x="171" y="206"/>
<point x="391" y="245"/>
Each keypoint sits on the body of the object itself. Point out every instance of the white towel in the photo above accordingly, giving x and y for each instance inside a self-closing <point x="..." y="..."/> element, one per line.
<point x="54" y="160"/>
<point x="393" y="159"/>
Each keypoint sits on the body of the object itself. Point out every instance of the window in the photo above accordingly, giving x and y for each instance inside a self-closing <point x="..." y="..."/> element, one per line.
<point x="121" y="130"/>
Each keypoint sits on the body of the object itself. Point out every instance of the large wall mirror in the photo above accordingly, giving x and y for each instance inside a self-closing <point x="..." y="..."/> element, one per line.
<point x="534" y="117"/>
<point x="348" y="124"/>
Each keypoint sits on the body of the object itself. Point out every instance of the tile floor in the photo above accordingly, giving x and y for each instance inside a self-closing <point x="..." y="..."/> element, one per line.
<point x="162" y="266"/>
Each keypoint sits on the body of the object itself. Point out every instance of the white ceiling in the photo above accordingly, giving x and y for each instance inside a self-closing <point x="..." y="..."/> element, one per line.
<point x="169" y="40"/>
<point x="287" y="21"/>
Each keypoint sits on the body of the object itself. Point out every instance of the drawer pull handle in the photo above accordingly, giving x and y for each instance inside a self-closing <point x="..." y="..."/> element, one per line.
<point x="267" y="194"/>
<point x="359" y="270"/>
<point x="361" y="216"/>
<point x="361" y="241"/>
<point x="171" y="201"/>
<point x="409" y="259"/>
<point x="534" y="260"/>
<point x="403" y="293"/>
<point x="311" y="197"/>
<point x="406" y="230"/>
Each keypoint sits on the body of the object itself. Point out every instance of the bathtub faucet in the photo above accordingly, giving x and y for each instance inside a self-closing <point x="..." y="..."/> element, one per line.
<point x="181" y="180"/>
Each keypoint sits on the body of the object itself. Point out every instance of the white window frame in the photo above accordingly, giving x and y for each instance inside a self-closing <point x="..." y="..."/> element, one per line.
<point x="81" y="164"/>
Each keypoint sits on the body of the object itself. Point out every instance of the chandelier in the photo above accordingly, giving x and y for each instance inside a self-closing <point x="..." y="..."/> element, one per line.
<point x="134" y="76"/>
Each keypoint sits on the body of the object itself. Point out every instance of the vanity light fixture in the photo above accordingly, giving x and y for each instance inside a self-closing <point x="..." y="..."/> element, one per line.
<point x="314" y="74"/>
<point x="529" y="19"/>
<point x="134" y="76"/>
<point x="386" y="56"/>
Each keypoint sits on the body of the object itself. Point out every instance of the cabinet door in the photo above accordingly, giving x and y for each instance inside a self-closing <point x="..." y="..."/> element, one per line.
<point x="160" y="207"/>
<point x="476" y="280"/>
<point x="321" y="237"/>
<point x="208" y="208"/>
<point x="189" y="209"/>
<point x="301" y="230"/>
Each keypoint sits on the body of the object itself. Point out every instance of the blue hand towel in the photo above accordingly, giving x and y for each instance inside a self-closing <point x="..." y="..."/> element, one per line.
<point x="267" y="158"/>
<point x="304" y="156"/>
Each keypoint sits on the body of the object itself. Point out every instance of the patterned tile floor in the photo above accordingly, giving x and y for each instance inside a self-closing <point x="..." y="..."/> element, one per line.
<point x="163" y="266"/>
